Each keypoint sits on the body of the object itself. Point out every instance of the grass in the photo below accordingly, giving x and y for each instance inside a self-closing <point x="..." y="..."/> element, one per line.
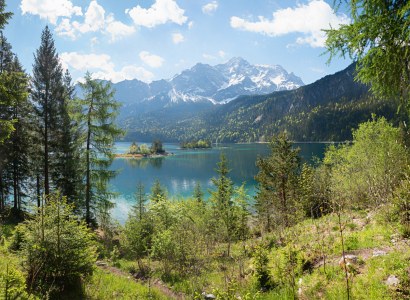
<point x="309" y="239"/>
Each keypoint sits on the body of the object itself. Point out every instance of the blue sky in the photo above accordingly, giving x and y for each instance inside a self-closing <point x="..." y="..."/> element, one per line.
<point x="156" y="39"/>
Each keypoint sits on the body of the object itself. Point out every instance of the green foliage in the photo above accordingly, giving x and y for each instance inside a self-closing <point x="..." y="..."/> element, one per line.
<point x="156" y="147"/>
<point x="195" y="144"/>
<point x="12" y="284"/>
<point x="133" y="149"/>
<point x="277" y="180"/>
<point x="95" y="115"/>
<point x="376" y="39"/>
<point x="56" y="248"/>
<point x="198" y="194"/>
<point x="261" y="265"/>
<point x="158" y="192"/>
<point x="369" y="168"/>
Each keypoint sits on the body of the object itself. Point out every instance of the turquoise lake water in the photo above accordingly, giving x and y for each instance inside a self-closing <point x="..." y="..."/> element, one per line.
<point x="180" y="172"/>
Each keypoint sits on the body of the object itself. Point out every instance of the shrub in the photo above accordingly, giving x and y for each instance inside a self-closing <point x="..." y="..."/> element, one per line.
<point x="56" y="248"/>
<point x="260" y="261"/>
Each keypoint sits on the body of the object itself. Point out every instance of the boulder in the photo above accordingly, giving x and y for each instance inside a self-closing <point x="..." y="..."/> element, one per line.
<point x="101" y="263"/>
<point x="393" y="281"/>
<point x="208" y="296"/>
<point x="352" y="259"/>
<point x="379" y="253"/>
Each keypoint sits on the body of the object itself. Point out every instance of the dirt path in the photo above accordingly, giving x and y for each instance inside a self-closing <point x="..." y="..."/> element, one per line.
<point x="156" y="283"/>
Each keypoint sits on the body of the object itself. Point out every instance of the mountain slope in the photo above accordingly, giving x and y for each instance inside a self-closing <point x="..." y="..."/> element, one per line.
<point x="325" y="110"/>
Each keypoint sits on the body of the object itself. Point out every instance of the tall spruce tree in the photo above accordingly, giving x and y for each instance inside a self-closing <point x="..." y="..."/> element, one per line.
<point x="15" y="151"/>
<point x="47" y="90"/>
<point x="66" y="145"/>
<point x="6" y="126"/>
<point x="95" y="115"/>
<point x="277" y="178"/>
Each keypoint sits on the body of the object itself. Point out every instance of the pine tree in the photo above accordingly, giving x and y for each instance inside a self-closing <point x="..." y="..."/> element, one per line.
<point x="6" y="126"/>
<point x="198" y="193"/>
<point x="66" y="146"/>
<point x="15" y="151"/>
<point x="95" y="116"/>
<point x="221" y="199"/>
<point x="47" y="90"/>
<point x="158" y="192"/>
<point x="141" y="199"/>
<point x="277" y="177"/>
<point x="225" y="187"/>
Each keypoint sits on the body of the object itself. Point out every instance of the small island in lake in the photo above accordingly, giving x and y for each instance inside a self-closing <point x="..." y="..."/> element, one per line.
<point x="155" y="150"/>
<point x="193" y="144"/>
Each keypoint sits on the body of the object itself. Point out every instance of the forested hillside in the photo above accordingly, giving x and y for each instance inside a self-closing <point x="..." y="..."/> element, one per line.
<point x="326" y="110"/>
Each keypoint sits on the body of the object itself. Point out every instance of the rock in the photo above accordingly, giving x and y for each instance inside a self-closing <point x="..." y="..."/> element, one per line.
<point x="379" y="253"/>
<point x="209" y="297"/>
<point x="299" y="291"/>
<point x="393" y="241"/>
<point x="263" y="289"/>
<point x="101" y="263"/>
<point x="369" y="217"/>
<point x="352" y="259"/>
<point x="393" y="280"/>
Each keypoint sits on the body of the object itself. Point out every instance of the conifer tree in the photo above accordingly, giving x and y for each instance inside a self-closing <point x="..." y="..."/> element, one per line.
<point x="198" y="193"/>
<point x="15" y="151"/>
<point x="6" y="126"/>
<point x="158" y="192"/>
<point x="222" y="199"/>
<point x="66" y="144"/>
<point x="141" y="199"/>
<point x="277" y="177"/>
<point x="47" y="90"/>
<point x="95" y="115"/>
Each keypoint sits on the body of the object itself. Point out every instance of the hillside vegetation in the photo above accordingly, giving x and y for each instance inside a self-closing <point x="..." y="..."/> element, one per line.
<point x="335" y="230"/>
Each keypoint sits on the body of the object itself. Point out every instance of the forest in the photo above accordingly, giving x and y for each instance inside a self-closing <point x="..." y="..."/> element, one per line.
<point x="334" y="228"/>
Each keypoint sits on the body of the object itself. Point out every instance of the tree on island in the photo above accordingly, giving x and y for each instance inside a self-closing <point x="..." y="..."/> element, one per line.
<point x="133" y="149"/>
<point x="156" y="147"/>
<point x="195" y="144"/>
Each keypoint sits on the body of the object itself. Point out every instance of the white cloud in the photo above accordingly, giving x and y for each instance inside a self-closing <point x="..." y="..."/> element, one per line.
<point x="153" y="61"/>
<point x="210" y="7"/>
<point x="222" y="54"/>
<point x="159" y="13"/>
<point x="317" y="70"/>
<point x="118" y="29"/>
<point x="65" y="29"/>
<point x="93" y="41"/>
<point x="94" y="18"/>
<point x="88" y="62"/>
<point x="208" y="56"/>
<point x="126" y="73"/>
<point x="190" y="24"/>
<point x="308" y="19"/>
<point x="50" y="9"/>
<point x="104" y="67"/>
<point x="178" y="38"/>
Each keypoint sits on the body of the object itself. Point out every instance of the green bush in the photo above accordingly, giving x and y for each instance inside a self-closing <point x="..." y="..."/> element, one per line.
<point x="56" y="248"/>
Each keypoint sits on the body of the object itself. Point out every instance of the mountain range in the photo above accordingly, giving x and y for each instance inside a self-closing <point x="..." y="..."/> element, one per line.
<point x="326" y="110"/>
<point x="204" y="86"/>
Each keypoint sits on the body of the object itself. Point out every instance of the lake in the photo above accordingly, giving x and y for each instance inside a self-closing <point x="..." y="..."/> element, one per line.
<point x="180" y="173"/>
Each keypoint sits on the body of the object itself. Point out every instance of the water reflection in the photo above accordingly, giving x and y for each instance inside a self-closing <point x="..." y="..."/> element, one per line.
<point x="140" y="162"/>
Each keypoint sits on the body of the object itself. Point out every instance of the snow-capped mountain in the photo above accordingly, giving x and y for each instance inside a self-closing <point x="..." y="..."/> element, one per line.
<point x="205" y="84"/>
